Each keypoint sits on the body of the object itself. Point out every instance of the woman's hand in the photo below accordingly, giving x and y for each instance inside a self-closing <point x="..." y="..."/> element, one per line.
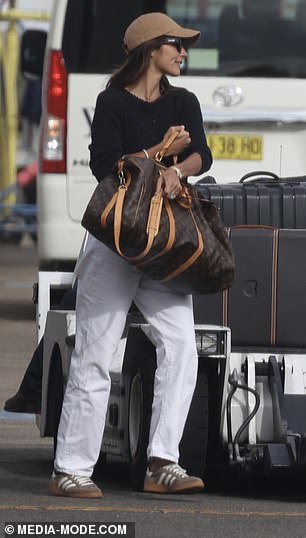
<point x="181" y="142"/>
<point x="169" y="182"/>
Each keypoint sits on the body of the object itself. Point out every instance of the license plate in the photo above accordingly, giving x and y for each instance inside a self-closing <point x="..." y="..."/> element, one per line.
<point x="239" y="147"/>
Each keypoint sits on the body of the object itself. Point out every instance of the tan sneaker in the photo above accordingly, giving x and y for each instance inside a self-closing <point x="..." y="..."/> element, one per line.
<point x="70" y="485"/>
<point x="171" y="479"/>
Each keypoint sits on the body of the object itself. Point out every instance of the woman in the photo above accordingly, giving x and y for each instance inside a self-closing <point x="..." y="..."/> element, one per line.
<point x="134" y="115"/>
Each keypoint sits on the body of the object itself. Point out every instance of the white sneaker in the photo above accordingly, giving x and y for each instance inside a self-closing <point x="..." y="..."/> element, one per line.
<point x="171" y="479"/>
<point x="70" y="485"/>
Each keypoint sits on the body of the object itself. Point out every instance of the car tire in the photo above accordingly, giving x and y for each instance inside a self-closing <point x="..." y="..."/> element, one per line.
<point x="55" y="395"/>
<point x="140" y="399"/>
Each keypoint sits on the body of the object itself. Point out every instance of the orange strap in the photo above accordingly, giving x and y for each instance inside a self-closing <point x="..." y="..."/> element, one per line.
<point x="160" y="154"/>
<point x="152" y="224"/>
<point x="188" y="263"/>
<point x="171" y="236"/>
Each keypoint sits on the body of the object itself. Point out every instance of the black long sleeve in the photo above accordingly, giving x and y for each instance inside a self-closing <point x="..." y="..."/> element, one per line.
<point x="124" y="124"/>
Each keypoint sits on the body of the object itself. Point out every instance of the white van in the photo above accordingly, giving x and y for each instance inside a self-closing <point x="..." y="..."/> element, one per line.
<point x="248" y="71"/>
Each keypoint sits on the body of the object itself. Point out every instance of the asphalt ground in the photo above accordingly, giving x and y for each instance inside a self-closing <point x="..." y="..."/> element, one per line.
<point x="261" y="508"/>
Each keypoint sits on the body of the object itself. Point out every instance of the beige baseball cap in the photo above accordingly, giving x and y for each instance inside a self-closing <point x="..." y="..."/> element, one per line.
<point x="152" y="25"/>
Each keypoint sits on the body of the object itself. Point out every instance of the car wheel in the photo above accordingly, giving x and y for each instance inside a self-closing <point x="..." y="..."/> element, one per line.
<point x="140" y="397"/>
<point x="55" y="395"/>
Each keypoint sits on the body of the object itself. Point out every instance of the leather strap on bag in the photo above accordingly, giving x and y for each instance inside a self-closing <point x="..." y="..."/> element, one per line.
<point x="171" y="236"/>
<point x="188" y="263"/>
<point x="154" y="214"/>
<point x="160" y="154"/>
<point x="152" y="225"/>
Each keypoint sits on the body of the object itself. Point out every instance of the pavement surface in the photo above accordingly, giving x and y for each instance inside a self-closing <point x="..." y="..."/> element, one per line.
<point x="18" y="272"/>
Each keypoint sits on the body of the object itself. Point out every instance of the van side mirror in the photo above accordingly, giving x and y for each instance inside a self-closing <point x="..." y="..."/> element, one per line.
<point x="32" y="52"/>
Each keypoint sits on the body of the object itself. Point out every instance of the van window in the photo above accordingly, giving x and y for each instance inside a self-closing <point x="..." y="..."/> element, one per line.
<point x="238" y="38"/>
<point x="101" y="26"/>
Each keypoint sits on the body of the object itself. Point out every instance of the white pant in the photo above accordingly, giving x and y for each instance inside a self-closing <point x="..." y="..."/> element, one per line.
<point x="107" y="285"/>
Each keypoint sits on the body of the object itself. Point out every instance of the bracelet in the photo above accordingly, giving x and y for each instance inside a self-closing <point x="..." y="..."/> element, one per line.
<point x="178" y="172"/>
<point x="146" y="153"/>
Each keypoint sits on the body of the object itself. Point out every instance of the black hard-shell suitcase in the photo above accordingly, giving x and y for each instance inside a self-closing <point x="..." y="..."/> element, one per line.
<point x="266" y="306"/>
<point x="291" y="289"/>
<point x="260" y="198"/>
<point x="246" y="306"/>
<point x="249" y="302"/>
<point x="208" y="309"/>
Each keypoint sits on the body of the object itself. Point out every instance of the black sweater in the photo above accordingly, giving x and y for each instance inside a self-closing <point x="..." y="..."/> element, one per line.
<point x="124" y="124"/>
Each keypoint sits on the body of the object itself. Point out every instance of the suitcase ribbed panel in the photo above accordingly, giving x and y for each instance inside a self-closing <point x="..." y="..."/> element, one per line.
<point x="300" y="205"/>
<point x="279" y="204"/>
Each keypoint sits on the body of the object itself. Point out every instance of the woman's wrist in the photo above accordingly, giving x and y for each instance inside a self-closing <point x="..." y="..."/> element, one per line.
<point x="177" y="171"/>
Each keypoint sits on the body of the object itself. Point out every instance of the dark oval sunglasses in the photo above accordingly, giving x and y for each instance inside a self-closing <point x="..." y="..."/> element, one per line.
<point x="175" y="42"/>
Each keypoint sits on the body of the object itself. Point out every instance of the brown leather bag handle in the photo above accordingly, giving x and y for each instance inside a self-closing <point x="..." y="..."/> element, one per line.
<point x="152" y="224"/>
<point x="160" y="154"/>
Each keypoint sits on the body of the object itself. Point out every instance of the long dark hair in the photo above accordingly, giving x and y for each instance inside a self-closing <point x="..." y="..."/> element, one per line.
<point x="135" y="66"/>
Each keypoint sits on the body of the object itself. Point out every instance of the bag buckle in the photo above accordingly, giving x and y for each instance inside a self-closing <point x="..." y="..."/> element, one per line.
<point x="161" y="154"/>
<point x="121" y="177"/>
